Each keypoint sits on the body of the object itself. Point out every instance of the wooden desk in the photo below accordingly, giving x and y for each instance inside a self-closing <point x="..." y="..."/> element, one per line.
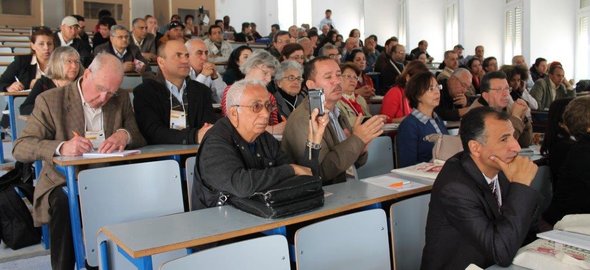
<point x="68" y="166"/>
<point x="141" y="239"/>
<point x="13" y="54"/>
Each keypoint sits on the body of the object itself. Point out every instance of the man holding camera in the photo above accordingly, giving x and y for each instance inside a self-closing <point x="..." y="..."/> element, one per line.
<point x="342" y="146"/>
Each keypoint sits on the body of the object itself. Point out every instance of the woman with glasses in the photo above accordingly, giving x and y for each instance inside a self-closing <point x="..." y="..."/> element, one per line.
<point x="423" y="93"/>
<point x="26" y="69"/>
<point x="261" y="65"/>
<point x="236" y="59"/>
<point x="351" y="105"/>
<point x="293" y="51"/>
<point x="64" y="67"/>
<point x="364" y="86"/>
<point x="288" y="83"/>
<point x="395" y="105"/>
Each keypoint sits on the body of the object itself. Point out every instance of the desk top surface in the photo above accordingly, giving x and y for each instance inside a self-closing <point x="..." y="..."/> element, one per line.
<point x="16" y="94"/>
<point x="150" y="151"/>
<point x="156" y="235"/>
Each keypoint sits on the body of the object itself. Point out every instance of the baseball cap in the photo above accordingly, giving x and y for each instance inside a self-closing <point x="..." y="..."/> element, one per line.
<point x="174" y="24"/>
<point x="69" y="21"/>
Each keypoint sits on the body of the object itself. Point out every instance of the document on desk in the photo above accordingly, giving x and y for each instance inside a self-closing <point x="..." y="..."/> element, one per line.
<point x="424" y="170"/>
<point x="123" y="153"/>
<point x="568" y="238"/>
<point x="392" y="182"/>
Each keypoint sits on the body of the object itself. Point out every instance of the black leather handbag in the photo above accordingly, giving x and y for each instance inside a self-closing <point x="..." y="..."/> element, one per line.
<point x="291" y="196"/>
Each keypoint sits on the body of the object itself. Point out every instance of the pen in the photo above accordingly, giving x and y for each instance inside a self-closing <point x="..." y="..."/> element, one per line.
<point x="16" y="78"/>
<point x="399" y="184"/>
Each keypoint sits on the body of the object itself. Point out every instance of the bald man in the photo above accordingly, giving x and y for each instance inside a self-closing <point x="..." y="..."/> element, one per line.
<point x="202" y="70"/>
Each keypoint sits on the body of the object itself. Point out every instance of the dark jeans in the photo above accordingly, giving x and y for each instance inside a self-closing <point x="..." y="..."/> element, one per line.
<point x="62" y="245"/>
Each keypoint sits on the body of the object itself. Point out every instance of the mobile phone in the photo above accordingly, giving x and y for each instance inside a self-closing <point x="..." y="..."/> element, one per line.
<point x="316" y="100"/>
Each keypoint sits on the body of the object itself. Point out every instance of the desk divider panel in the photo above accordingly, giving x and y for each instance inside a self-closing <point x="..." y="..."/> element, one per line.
<point x="354" y="241"/>
<point x="116" y="194"/>
<point x="408" y="227"/>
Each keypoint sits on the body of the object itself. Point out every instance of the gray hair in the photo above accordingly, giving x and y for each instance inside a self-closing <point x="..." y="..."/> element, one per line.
<point x="288" y="65"/>
<point x="302" y="39"/>
<point x="257" y="58"/>
<point x="461" y="72"/>
<point x="328" y="46"/>
<point x="117" y="27"/>
<point x="236" y="91"/>
<point x="189" y="42"/>
<point x="136" y="20"/>
<point x="105" y="60"/>
<point x="55" y="66"/>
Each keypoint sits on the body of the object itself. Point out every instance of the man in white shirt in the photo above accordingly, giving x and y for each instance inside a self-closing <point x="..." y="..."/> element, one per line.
<point x="203" y="71"/>
<point x="219" y="49"/>
<point x="327" y="20"/>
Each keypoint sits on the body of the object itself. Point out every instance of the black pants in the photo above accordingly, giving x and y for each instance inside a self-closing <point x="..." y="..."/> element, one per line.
<point x="62" y="245"/>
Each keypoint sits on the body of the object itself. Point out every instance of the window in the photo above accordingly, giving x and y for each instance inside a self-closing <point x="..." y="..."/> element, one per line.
<point x="12" y="7"/>
<point x="512" y="30"/>
<point x="403" y="21"/>
<point x="286" y="13"/>
<point x="91" y="10"/>
<point x="451" y="24"/>
<point x="582" y="66"/>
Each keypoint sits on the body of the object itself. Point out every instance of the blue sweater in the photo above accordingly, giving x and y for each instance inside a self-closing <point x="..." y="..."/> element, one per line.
<point x="411" y="146"/>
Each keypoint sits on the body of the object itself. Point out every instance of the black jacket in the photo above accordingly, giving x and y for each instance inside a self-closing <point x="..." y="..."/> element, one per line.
<point x="83" y="49"/>
<point x="446" y="109"/>
<point x="133" y="52"/>
<point x="22" y="69"/>
<point x="388" y="76"/>
<point x="570" y="194"/>
<point x="465" y="224"/>
<point x="227" y="163"/>
<point x="152" y="111"/>
<point x="40" y="86"/>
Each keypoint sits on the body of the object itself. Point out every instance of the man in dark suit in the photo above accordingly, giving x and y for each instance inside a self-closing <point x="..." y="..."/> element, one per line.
<point x="393" y="68"/>
<point x="61" y="121"/>
<point x="172" y="108"/>
<point x="145" y="41"/>
<point x="482" y="205"/>
<point x="127" y="52"/>
<point x="67" y="37"/>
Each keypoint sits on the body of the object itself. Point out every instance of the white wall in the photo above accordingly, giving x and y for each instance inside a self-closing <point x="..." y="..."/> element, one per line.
<point x="482" y="24"/>
<point x="347" y="14"/>
<point x="426" y="22"/>
<point x="53" y="12"/>
<point x="381" y="19"/>
<point x="262" y="12"/>
<point x="553" y="32"/>
<point x="140" y="8"/>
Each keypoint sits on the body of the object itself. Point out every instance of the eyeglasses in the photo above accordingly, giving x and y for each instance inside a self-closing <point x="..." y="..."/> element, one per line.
<point x="257" y="107"/>
<point x="505" y="89"/>
<point x="335" y="56"/>
<point x="293" y="78"/>
<point x="122" y="37"/>
<point x="351" y="77"/>
<point x="436" y="87"/>
<point x="265" y="71"/>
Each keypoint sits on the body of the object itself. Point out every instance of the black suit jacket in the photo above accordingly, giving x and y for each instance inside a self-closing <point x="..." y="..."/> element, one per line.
<point x="152" y="111"/>
<point x="83" y="49"/>
<point x="465" y="224"/>
<point x="133" y="52"/>
<point x="21" y="68"/>
<point x="388" y="76"/>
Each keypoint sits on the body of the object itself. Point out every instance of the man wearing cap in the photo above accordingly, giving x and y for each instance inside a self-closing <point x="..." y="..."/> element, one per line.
<point x="119" y="46"/>
<point x="219" y="49"/>
<point x="175" y="32"/>
<point x="66" y="36"/>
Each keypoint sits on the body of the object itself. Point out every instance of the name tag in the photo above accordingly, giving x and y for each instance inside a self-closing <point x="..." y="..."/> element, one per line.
<point x="96" y="137"/>
<point x="177" y="120"/>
